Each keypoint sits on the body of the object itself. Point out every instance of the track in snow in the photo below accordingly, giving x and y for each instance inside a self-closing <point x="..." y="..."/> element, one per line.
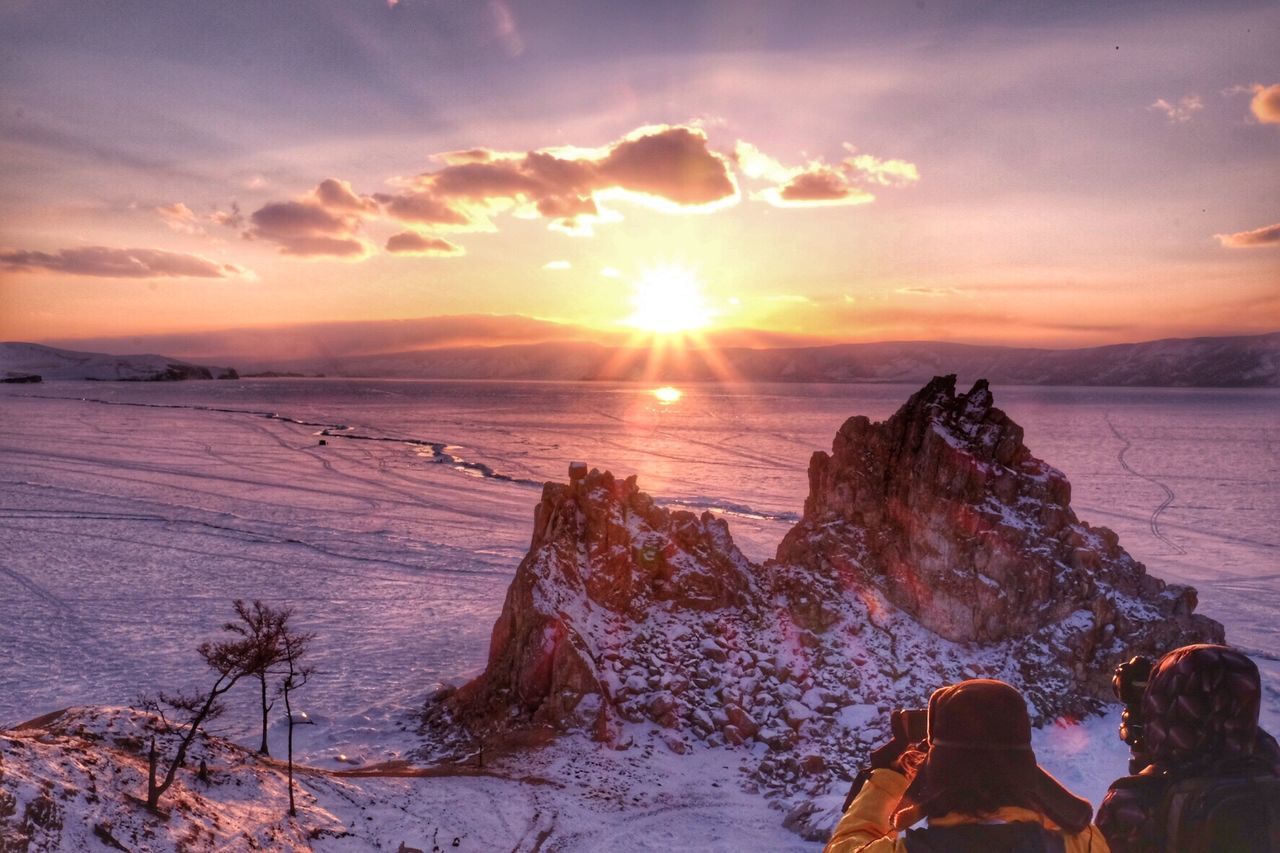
<point x="1168" y="492"/>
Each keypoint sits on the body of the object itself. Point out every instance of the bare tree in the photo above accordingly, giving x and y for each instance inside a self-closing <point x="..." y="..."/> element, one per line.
<point x="261" y="626"/>
<point x="230" y="661"/>
<point x="293" y="647"/>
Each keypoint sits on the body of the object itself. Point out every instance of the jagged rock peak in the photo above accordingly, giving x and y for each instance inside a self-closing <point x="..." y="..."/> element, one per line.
<point x="602" y="558"/>
<point x="944" y="508"/>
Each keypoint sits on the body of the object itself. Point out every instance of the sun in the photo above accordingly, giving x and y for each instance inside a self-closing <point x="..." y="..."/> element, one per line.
<point x="667" y="395"/>
<point x="668" y="300"/>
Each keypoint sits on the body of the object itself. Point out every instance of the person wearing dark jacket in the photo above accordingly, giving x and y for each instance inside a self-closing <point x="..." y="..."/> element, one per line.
<point x="975" y="779"/>
<point x="1200" y="716"/>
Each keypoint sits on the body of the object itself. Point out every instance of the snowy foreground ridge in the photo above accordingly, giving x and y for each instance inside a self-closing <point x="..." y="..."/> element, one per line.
<point x="647" y="684"/>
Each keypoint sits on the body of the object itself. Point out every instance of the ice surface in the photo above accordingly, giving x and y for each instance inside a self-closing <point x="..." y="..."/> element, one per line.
<point x="128" y="524"/>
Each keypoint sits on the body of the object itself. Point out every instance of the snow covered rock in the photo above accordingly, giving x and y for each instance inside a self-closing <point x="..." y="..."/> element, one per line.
<point x="602" y="559"/>
<point x="944" y="508"/>
<point x="933" y="548"/>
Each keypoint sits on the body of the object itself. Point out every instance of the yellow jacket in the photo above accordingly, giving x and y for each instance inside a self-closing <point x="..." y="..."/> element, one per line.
<point x="867" y="827"/>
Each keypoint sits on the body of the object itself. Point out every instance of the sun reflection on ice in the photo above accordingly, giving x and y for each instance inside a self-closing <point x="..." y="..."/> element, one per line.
<point x="667" y="395"/>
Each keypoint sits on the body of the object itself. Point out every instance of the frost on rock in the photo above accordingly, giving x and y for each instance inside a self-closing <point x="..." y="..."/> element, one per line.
<point x="933" y="547"/>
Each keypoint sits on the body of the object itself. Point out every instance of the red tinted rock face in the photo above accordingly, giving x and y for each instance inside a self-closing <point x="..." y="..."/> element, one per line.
<point x="602" y="557"/>
<point x="933" y="548"/>
<point x="944" y="508"/>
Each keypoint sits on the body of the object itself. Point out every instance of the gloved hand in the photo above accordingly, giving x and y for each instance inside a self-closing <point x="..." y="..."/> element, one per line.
<point x="886" y="757"/>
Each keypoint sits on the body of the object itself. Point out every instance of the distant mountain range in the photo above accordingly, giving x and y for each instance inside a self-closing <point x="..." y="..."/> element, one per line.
<point x="1252" y="361"/>
<point x="1235" y="362"/>
<point x="21" y="361"/>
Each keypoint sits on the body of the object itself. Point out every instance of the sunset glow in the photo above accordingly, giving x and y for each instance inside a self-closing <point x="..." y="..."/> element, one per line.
<point x="668" y="300"/>
<point x="667" y="395"/>
<point x="875" y="172"/>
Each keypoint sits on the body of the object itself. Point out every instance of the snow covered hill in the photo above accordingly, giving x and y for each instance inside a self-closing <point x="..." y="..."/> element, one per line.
<point x="70" y="781"/>
<point x="18" y="358"/>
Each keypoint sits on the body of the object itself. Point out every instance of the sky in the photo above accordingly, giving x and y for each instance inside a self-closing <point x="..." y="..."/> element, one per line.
<point x="492" y="171"/>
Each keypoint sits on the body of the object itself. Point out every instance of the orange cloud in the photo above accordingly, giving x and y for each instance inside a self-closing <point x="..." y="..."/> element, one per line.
<point x="873" y="170"/>
<point x="1266" y="103"/>
<point x="469" y="155"/>
<point x="672" y="163"/>
<point x="322" y="224"/>
<point x="180" y="218"/>
<point x="422" y="208"/>
<point x="228" y="218"/>
<point x="670" y="167"/>
<point x="1268" y="235"/>
<point x="334" y="194"/>
<point x="820" y="183"/>
<point x="667" y="164"/>
<point x="106" y="262"/>
<point x="413" y="243"/>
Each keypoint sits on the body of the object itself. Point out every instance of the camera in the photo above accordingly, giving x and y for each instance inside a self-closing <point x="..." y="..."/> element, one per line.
<point x="909" y="727"/>
<point x="1130" y="684"/>
<point x="910" y="724"/>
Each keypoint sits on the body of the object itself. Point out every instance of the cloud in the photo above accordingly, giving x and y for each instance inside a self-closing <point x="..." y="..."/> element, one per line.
<point x="413" y="243"/>
<point x="886" y="173"/>
<point x="469" y="155"/>
<point x="671" y="167"/>
<point x="1266" y="103"/>
<point x="505" y="28"/>
<point x="180" y="218"/>
<point x="338" y="195"/>
<point x="105" y="262"/>
<point x="821" y="186"/>
<point x="323" y="224"/>
<point x="1180" y="112"/>
<point x="232" y="218"/>
<point x="1268" y="235"/>
<point x="557" y="265"/>
<point x="819" y="183"/>
<point x="672" y="163"/>
<point x="927" y="291"/>
<point x="421" y="208"/>
<point x="756" y="164"/>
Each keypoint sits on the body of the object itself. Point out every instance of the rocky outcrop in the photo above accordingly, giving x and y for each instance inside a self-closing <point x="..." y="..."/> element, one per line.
<point x="933" y="547"/>
<point x="603" y="559"/>
<point x="945" y="509"/>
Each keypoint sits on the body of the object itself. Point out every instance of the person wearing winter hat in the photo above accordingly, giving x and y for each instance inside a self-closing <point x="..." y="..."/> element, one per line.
<point x="1200" y="729"/>
<point x="974" y="779"/>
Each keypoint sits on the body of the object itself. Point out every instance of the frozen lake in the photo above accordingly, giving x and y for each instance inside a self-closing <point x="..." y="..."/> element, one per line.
<point x="132" y="514"/>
